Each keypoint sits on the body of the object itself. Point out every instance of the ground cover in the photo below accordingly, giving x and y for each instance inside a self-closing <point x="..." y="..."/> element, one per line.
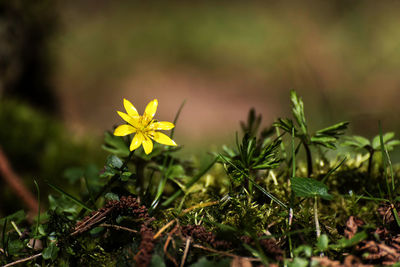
<point x="284" y="195"/>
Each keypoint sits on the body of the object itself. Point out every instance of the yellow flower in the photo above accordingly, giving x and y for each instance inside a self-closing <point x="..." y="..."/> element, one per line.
<point x="144" y="127"/>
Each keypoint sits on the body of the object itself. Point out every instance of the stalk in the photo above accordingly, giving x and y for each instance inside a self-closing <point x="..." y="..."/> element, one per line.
<point x="371" y="155"/>
<point x="317" y="228"/>
<point x="309" y="159"/>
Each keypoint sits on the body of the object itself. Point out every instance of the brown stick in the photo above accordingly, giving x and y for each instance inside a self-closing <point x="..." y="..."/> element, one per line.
<point x="185" y="253"/>
<point x="16" y="184"/>
<point x="222" y="252"/>
<point x="23" y="260"/>
<point x="117" y="227"/>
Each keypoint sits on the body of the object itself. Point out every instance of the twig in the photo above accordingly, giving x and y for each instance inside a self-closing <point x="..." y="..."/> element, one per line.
<point x="163" y="229"/>
<point x="23" y="260"/>
<point x="185" y="253"/>
<point x="223" y="252"/>
<point x="118" y="227"/>
<point x="16" y="184"/>
<point x="87" y="224"/>
<point x="201" y="205"/>
<point x="169" y="238"/>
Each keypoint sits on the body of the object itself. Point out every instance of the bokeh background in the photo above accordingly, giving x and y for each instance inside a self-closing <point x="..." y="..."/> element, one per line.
<point x="65" y="67"/>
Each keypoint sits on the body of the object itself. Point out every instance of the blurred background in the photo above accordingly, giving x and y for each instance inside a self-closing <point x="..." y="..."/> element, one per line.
<point x="65" y="67"/>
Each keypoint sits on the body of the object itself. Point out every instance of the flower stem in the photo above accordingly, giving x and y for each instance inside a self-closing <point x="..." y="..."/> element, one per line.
<point x="309" y="159"/>
<point x="371" y="155"/>
<point x="317" y="228"/>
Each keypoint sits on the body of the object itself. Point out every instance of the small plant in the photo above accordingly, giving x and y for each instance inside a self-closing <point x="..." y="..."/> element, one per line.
<point x="362" y="143"/>
<point x="326" y="137"/>
<point x="250" y="205"/>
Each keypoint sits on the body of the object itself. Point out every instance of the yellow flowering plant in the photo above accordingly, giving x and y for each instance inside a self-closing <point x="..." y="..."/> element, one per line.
<point x="144" y="127"/>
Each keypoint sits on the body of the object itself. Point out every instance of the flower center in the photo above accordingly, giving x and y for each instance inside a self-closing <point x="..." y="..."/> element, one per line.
<point x="144" y="123"/>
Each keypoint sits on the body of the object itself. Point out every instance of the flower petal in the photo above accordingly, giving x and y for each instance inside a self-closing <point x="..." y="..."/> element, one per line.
<point x="136" y="141"/>
<point x="130" y="108"/>
<point x="147" y="145"/>
<point x="162" y="125"/>
<point x="131" y="120"/>
<point x="151" y="109"/>
<point x="163" y="139"/>
<point x="124" y="129"/>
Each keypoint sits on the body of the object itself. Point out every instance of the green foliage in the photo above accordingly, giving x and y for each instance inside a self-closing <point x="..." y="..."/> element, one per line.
<point x="326" y="137"/>
<point x="360" y="142"/>
<point x="308" y="187"/>
<point x="50" y="252"/>
<point x="250" y="206"/>
<point x="322" y="243"/>
<point x="250" y="157"/>
<point x="115" y="145"/>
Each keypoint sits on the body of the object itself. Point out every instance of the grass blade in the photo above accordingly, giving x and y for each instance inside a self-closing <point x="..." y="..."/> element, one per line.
<point x="70" y="197"/>
<point x="178" y="113"/>
<point x="255" y="184"/>
<point x="384" y="161"/>
<point x="38" y="216"/>
<point x="333" y="170"/>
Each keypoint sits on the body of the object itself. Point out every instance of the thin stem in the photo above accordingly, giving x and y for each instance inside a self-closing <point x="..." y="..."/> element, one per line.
<point x="317" y="228"/>
<point x="309" y="159"/>
<point x="290" y="215"/>
<point x="371" y="155"/>
<point x="23" y="260"/>
<point x="385" y="163"/>
<point x="290" y="220"/>
<point x="38" y="215"/>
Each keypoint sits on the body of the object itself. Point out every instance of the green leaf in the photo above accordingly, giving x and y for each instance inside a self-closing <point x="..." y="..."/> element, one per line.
<point x="298" y="111"/>
<point x="303" y="250"/>
<point x="70" y="197"/>
<point x="307" y="187"/>
<point x="115" y="145"/>
<point x="391" y="144"/>
<point x="285" y="124"/>
<point x="334" y="130"/>
<point x="345" y="243"/>
<point x="376" y="143"/>
<point x="111" y="196"/>
<point x="323" y="242"/>
<point x="50" y="252"/>
<point x="298" y="262"/>
<point x="326" y="141"/>
<point x="327" y="137"/>
<point x="125" y="176"/>
<point x="62" y="204"/>
<point x="114" y="162"/>
<point x="157" y="261"/>
<point x="176" y="171"/>
<point x="356" y="141"/>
